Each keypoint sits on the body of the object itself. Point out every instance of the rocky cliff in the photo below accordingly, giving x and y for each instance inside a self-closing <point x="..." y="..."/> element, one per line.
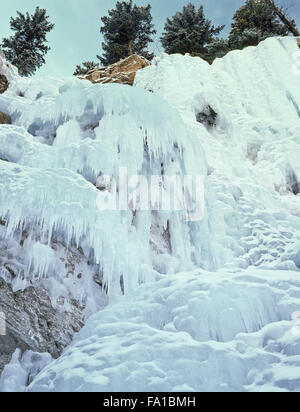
<point x="33" y="324"/>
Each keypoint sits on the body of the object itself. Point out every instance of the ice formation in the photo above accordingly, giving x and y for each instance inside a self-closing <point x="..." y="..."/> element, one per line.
<point x="85" y="131"/>
<point x="197" y="331"/>
<point x="22" y="369"/>
<point x="218" y="306"/>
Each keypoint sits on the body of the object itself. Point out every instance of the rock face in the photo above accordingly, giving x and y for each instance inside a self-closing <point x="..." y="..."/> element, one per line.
<point x="4" y="118"/>
<point x="122" y="72"/>
<point x="298" y="42"/>
<point x="31" y="323"/>
<point x="3" y="83"/>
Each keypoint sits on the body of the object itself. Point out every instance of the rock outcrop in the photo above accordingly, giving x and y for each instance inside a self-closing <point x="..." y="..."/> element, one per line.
<point x="4" y="118"/>
<point x="298" y="42"/>
<point x="122" y="72"/>
<point x="31" y="323"/>
<point x="3" y="83"/>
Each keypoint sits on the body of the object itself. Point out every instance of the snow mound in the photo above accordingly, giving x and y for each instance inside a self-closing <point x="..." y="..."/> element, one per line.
<point x="189" y="332"/>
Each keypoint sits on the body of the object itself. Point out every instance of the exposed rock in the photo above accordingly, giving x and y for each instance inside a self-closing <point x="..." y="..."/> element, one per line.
<point x="4" y="118"/>
<point x="32" y="323"/>
<point x="122" y="72"/>
<point x="3" y="83"/>
<point x="298" y="42"/>
<point x="160" y="239"/>
<point x="207" y="116"/>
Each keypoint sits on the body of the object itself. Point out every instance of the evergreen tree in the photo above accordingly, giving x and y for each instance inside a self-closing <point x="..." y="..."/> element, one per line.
<point x="85" y="68"/>
<point x="253" y="22"/>
<point x="127" y="30"/>
<point x="285" y="19"/>
<point x="189" y="31"/>
<point x="217" y="48"/>
<point x="27" y="47"/>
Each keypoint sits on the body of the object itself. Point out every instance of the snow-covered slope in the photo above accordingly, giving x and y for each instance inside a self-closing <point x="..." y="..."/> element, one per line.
<point x="189" y="332"/>
<point x="224" y="314"/>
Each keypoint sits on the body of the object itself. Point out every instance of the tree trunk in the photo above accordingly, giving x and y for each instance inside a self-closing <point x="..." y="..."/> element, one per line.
<point x="292" y="27"/>
<point x="130" y="47"/>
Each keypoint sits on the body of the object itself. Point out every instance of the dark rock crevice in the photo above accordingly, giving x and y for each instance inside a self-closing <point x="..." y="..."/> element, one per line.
<point x="293" y="184"/>
<point x="3" y="83"/>
<point x="208" y="116"/>
<point x="5" y="118"/>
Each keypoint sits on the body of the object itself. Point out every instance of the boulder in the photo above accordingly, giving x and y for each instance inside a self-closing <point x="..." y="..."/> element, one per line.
<point x="3" y="83"/>
<point x="4" y="118"/>
<point x="29" y="322"/>
<point x="122" y="72"/>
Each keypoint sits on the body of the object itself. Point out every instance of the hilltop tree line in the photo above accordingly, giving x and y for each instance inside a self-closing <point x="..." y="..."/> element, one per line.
<point x="27" y="47"/>
<point x="128" y="29"/>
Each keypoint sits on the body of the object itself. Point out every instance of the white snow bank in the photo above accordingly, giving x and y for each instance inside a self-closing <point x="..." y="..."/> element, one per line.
<point x="189" y="332"/>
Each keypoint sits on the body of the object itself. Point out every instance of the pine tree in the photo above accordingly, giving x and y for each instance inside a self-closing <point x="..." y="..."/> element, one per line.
<point x="253" y="22"/>
<point x="27" y="47"/>
<point x="189" y="31"/>
<point x="127" y="30"/>
<point x="85" y="68"/>
<point x="282" y="14"/>
<point x="217" y="48"/>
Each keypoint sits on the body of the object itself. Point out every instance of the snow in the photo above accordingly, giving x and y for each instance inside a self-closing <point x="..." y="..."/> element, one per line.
<point x="209" y="304"/>
<point x="220" y="331"/>
<point x="253" y="152"/>
<point x="22" y="369"/>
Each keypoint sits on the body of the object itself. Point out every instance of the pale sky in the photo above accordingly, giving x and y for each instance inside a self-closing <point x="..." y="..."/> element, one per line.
<point x="76" y="37"/>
